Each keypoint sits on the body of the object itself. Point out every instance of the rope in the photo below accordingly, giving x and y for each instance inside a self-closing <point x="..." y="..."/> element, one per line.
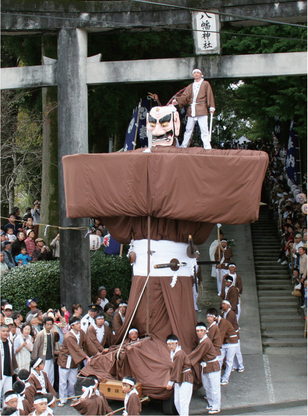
<point x="55" y="226"/>
<point x="133" y="315"/>
<point x="123" y="408"/>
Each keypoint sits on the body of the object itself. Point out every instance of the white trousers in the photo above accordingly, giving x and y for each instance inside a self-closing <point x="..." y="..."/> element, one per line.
<point x="239" y="308"/>
<point x="203" y="124"/>
<point x="5" y="385"/>
<point x="228" y="351"/>
<point x="238" y="358"/>
<point x="182" y="397"/>
<point x="211" y="384"/>
<point x="67" y="381"/>
<point x="49" y="369"/>
<point x="223" y="272"/>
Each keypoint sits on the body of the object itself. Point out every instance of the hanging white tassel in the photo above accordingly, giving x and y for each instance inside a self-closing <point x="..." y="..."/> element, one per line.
<point x="174" y="280"/>
<point x="87" y="233"/>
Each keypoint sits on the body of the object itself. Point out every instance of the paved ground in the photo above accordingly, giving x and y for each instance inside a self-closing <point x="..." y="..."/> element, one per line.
<point x="274" y="381"/>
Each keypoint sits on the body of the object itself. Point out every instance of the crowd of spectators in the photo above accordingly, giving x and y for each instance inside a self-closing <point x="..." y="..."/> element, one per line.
<point x="288" y="207"/>
<point x="37" y="341"/>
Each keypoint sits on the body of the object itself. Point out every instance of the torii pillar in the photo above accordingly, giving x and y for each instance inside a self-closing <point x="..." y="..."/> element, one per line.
<point x="72" y="138"/>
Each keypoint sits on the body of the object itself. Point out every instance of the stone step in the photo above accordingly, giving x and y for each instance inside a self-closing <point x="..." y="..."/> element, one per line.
<point x="285" y="342"/>
<point x="274" y="293"/>
<point x="274" y="283"/>
<point x="271" y="310"/>
<point x="274" y="326"/>
<point x="267" y="271"/>
<point x="263" y="297"/>
<point x="288" y="300"/>
<point x="296" y="333"/>
<point x="272" y="317"/>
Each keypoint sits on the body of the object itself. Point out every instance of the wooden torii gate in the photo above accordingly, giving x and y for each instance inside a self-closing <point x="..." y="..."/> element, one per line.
<point x="73" y="71"/>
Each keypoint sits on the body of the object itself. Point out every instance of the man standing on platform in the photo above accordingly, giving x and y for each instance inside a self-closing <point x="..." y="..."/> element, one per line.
<point x="200" y="100"/>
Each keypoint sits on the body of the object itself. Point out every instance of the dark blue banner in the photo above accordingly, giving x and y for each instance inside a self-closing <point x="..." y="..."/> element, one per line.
<point x="131" y="131"/>
<point x="112" y="246"/>
<point x="142" y="130"/>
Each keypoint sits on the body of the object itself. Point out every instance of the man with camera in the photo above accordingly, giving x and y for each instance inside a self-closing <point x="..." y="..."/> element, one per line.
<point x="41" y="251"/>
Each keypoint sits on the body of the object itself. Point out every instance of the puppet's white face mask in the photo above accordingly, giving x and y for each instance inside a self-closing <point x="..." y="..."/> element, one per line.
<point x="164" y="124"/>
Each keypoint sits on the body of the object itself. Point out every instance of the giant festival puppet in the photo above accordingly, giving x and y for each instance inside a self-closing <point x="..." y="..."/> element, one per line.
<point x="156" y="200"/>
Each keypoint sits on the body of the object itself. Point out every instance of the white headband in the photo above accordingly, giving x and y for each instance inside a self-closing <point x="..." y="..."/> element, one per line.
<point x="52" y="401"/>
<point x="226" y="301"/>
<point x="37" y="362"/>
<point x="128" y="381"/>
<point x="210" y="314"/>
<point x="201" y="327"/>
<point x="10" y="397"/>
<point x="232" y="264"/>
<point x="196" y="70"/>
<point x="169" y="341"/>
<point x="133" y="330"/>
<point x="123" y="304"/>
<point x="40" y="400"/>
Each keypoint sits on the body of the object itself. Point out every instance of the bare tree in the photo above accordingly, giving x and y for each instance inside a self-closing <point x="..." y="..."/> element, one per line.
<point x="21" y="147"/>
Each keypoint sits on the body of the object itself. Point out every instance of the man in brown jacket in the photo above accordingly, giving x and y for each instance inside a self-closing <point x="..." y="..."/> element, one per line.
<point x="223" y="254"/>
<point x="229" y="343"/>
<point x="100" y="333"/>
<point x="206" y="355"/>
<point x="76" y="347"/>
<point x="229" y="293"/>
<point x="181" y="376"/>
<point x="119" y="317"/>
<point x="200" y="100"/>
<point x="44" y="347"/>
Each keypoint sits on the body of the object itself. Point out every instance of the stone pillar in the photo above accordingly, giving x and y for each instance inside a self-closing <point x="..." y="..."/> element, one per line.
<point x="72" y="138"/>
<point x="50" y="190"/>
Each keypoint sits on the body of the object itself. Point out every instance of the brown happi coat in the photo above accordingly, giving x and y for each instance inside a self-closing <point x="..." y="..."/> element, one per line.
<point x="30" y="392"/>
<point x="205" y="352"/>
<point x="227" y="253"/>
<point x="94" y="405"/>
<point x="34" y="381"/>
<point x="227" y="332"/>
<point x="238" y="284"/>
<point x="38" y="347"/>
<point x="231" y="296"/>
<point x="78" y="352"/>
<point x="106" y="341"/>
<point x="133" y="406"/>
<point x="214" y="334"/>
<point x="117" y="322"/>
<point x="181" y="363"/>
<point x="205" y="99"/>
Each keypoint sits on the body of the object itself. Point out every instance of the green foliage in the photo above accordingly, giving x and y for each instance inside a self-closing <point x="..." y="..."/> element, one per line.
<point x="111" y="272"/>
<point x="42" y="280"/>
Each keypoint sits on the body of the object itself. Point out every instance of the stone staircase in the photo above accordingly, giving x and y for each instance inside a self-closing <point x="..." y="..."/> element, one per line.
<point x="282" y="323"/>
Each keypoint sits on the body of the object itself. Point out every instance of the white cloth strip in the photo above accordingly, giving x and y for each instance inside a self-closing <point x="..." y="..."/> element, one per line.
<point x="162" y="252"/>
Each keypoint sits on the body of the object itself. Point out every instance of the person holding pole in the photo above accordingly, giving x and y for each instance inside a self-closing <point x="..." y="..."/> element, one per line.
<point x="200" y="100"/>
<point x="223" y="254"/>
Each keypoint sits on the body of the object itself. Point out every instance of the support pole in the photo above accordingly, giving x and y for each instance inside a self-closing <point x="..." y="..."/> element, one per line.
<point x="149" y="268"/>
<point x="72" y="138"/>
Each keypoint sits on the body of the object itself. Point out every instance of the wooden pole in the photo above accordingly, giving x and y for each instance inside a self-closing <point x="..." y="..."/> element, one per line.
<point x="137" y="124"/>
<point x="148" y="285"/>
<point x="219" y="251"/>
<point x="123" y="408"/>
